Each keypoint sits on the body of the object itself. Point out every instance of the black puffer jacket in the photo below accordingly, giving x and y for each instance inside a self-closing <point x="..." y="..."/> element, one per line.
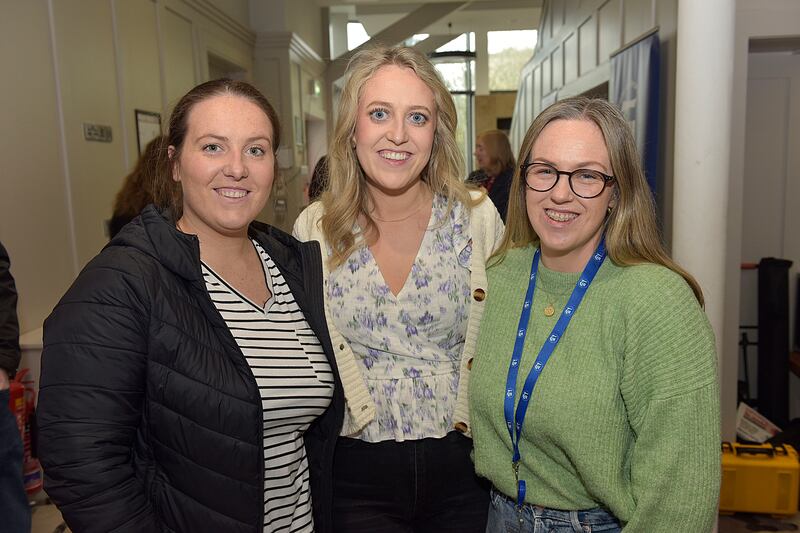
<point x="9" y="327"/>
<point x="501" y="188"/>
<point x="150" y="418"/>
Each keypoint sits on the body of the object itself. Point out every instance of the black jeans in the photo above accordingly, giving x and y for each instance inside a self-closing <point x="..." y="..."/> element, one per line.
<point x="418" y="486"/>
<point x="15" y="514"/>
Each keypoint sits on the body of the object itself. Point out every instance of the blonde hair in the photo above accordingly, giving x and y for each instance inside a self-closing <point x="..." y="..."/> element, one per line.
<point x="497" y="147"/>
<point x="632" y="235"/>
<point x="346" y="197"/>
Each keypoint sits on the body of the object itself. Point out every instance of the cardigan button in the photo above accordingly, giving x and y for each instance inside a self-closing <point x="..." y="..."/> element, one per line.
<point x="341" y="346"/>
<point x="469" y="363"/>
<point x="461" y="427"/>
<point x="479" y="295"/>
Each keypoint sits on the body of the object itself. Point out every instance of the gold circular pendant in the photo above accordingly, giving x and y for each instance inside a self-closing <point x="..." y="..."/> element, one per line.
<point x="549" y="311"/>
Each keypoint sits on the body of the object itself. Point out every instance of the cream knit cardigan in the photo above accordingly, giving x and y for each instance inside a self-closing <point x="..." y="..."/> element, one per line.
<point x="486" y="228"/>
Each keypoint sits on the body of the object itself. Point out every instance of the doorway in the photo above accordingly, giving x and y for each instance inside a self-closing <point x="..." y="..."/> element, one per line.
<point x="771" y="189"/>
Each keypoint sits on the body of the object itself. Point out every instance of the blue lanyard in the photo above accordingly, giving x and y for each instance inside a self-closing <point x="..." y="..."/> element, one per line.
<point x="515" y="427"/>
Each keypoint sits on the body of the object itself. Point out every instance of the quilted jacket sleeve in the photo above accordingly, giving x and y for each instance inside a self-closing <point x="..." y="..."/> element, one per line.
<point x="9" y="328"/>
<point x="91" y="400"/>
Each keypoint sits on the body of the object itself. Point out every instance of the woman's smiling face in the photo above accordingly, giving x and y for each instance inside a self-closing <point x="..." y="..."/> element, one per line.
<point x="569" y="227"/>
<point x="226" y="165"/>
<point x="395" y="129"/>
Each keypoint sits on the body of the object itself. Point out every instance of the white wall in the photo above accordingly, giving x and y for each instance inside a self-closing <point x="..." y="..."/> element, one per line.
<point x="304" y="17"/>
<point x="138" y="66"/>
<point x="301" y="17"/>
<point x="35" y="222"/>
<point x="238" y="10"/>
<point x="69" y="62"/>
<point x="84" y="37"/>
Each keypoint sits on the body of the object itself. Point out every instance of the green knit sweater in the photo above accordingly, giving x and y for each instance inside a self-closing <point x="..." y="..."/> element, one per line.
<point x="625" y="415"/>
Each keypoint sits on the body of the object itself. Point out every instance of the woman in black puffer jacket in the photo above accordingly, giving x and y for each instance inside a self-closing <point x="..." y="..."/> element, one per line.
<point x="188" y="380"/>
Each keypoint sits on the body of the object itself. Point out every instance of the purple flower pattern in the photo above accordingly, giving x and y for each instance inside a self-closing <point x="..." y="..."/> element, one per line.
<point x="409" y="345"/>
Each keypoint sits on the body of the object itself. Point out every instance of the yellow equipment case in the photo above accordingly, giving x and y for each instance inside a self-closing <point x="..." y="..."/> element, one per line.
<point x="759" y="478"/>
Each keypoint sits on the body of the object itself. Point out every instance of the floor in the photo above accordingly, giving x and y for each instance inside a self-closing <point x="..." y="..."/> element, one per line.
<point x="746" y="523"/>
<point x="47" y="519"/>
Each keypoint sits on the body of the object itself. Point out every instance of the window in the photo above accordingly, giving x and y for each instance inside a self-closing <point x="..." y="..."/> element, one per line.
<point x="455" y="62"/>
<point x="416" y="38"/>
<point x="508" y="53"/>
<point x="463" y="43"/>
<point x="356" y="35"/>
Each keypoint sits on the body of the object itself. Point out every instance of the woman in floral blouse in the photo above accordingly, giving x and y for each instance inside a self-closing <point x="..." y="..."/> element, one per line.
<point x="406" y="246"/>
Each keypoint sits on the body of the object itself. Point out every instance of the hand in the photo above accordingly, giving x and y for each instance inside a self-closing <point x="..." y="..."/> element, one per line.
<point x="4" y="384"/>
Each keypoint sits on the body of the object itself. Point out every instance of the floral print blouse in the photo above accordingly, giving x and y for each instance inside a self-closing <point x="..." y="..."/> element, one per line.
<point x="409" y="345"/>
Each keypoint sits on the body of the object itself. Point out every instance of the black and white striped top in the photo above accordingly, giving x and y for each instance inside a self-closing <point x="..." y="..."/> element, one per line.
<point x="296" y="385"/>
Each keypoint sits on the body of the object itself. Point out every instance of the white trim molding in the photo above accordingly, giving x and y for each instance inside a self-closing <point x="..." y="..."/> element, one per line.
<point x="225" y="21"/>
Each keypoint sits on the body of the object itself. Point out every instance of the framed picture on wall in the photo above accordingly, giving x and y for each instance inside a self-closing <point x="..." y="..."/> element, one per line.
<point x="148" y="127"/>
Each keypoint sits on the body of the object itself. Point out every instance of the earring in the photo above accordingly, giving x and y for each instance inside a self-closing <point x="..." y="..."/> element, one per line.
<point x="609" y="211"/>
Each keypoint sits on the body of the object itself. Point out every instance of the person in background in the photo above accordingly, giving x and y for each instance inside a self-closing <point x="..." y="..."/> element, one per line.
<point x="406" y="244"/>
<point x="137" y="188"/>
<point x="594" y="394"/>
<point x="15" y="514"/>
<point x="188" y="381"/>
<point x="495" y="167"/>
<point x="319" y="179"/>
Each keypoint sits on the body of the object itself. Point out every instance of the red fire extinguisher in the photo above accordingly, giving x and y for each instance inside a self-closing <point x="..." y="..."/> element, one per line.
<point x="23" y="406"/>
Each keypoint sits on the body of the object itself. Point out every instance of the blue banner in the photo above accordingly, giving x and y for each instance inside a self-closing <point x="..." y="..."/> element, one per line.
<point x="634" y="88"/>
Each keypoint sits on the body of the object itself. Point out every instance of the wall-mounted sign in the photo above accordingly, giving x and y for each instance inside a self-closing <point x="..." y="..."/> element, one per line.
<point x="96" y="132"/>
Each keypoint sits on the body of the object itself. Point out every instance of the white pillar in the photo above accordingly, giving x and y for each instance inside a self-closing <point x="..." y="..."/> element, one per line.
<point x="703" y="114"/>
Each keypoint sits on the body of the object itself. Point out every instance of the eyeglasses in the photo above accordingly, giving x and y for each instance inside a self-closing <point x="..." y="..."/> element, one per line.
<point x="586" y="183"/>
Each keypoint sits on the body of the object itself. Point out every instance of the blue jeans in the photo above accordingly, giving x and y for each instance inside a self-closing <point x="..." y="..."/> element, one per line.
<point x="504" y="517"/>
<point x="417" y="486"/>
<point x="15" y="513"/>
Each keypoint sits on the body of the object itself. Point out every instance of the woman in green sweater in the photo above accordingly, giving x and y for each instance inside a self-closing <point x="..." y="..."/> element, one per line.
<point x="594" y="394"/>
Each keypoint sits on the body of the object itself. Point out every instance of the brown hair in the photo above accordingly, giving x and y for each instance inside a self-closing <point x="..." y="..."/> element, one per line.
<point x="497" y="147"/>
<point x="346" y="196"/>
<point x="165" y="192"/>
<point x="319" y="179"/>
<point x="632" y="235"/>
<point x="137" y="187"/>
